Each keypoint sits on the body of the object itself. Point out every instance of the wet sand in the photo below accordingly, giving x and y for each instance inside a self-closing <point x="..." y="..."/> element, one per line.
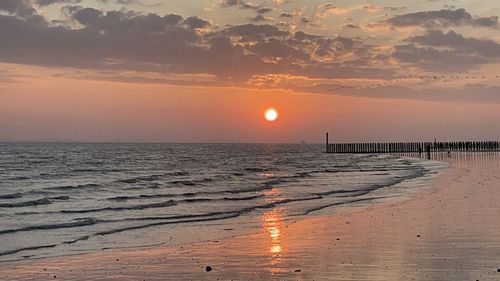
<point x="450" y="232"/>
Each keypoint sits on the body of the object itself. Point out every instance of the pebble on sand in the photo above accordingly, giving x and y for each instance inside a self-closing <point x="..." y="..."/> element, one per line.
<point x="208" y="268"/>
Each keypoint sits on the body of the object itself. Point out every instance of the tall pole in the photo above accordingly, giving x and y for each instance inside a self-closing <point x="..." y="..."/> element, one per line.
<point x="327" y="142"/>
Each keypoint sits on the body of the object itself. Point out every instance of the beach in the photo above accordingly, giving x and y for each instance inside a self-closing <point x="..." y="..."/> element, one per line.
<point x="448" y="232"/>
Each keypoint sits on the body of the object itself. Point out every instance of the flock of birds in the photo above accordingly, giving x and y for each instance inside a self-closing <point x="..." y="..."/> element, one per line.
<point x="426" y="78"/>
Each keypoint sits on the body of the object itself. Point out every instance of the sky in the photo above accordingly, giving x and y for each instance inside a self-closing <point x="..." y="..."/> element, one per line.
<point x="206" y="70"/>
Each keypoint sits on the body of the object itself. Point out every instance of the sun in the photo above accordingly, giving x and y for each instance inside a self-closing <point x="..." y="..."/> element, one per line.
<point x="271" y="114"/>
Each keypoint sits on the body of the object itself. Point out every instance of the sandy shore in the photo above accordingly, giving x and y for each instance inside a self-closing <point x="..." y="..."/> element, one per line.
<point x="451" y="232"/>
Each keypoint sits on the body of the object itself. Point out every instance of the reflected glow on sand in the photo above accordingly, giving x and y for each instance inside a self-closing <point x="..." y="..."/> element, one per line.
<point x="271" y="221"/>
<point x="272" y="225"/>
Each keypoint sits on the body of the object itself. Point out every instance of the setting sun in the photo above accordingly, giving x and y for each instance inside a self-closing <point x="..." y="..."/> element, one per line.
<point x="271" y="114"/>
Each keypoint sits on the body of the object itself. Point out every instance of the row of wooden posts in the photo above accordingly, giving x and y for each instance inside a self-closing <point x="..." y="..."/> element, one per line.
<point x="411" y="147"/>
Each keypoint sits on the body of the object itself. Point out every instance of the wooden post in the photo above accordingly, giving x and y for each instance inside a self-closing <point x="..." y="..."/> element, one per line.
<point x="327" y="147"/>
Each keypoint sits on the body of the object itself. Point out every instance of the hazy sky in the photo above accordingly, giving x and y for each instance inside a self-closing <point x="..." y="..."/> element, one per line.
<point x="206" y="70"/>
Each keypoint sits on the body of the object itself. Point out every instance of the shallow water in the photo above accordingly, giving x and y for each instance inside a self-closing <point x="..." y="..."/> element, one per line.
<point x="58" y="199"/>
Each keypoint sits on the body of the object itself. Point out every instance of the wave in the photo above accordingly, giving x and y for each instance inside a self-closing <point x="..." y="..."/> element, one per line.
<point x="17" y="195"/>
<point x="254" y="169"/>
<point x="177" y="174"/>
<point x="19" y="178"/>
<point x="124" y="208"/>
<point x="172" y="219"/>
<point x="141" y="178"/>
<point x="62" y="198"/>
<point x="154" y="177"/>
<point x="164" y="204"/>
<point x="307" y="212"/>
<point x="183" y="218"/>
<point x="78" y="223"/>
<point x="10" y="252"/>
<point x="97" y="170"/>
<point x="221" y="199"/>
<point x="192" y="182"/>
<point x="171" y="195"/>
<point x="12" y="195"/>
<point x="363" y="191"/>
<point x="43" y="201"/>
<point x="204" y="217"/>
<point x="72" y="187"/>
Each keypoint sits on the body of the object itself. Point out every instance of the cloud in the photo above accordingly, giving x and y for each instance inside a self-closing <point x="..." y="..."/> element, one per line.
<point x="279" y="2"/>
<point x="20" y="8"/>
<point x="260" y="17"/>
<point x="128" y="2"/>
<point x="123" y="2"/>
<point x="371" y="8"/>
<point x="111" y="40"/>
<point x="450" y="51"/>
<point x="442" y="18"/>
<point x="121" y="45"/>
<point x="484" y="47"/>
<point x="230" y="3"/>
<point x="469" y="93"/>
<point x="50" y="2"/>
<point x="195" y="22"/>
<point x="328" y="9"/>
<point x="434" y="59"/>
<point x="263" y="10"/>
<point x="351" y="25"/>
<point x="251" y="32"/>
<point x="286" y="15"/>
<point x="125" y="40"/>
<point x="240" y="3"/>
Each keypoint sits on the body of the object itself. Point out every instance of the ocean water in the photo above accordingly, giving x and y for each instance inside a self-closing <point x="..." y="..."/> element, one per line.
<point x="66" y="198"/>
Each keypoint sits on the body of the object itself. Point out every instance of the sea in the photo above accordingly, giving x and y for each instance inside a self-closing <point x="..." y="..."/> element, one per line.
<point x="61" y="199"/>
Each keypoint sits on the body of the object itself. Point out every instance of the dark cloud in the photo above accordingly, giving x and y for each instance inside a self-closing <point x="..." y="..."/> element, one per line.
<point x="128" y="2"/>
<point x="286" y="15"/>
<point x="264" y="10"/>
<point x="395" y="9"/>
<point x="123" y="40"/>
<point x="50" y="2"/>
<point x="469" y="93"/>
<point x="442" y="18"/>
<point x="434" y="59"/>
<point x="260" y="18"/>
<point x="245" y="5"/>
<point x="230" y="3"/>
<point x="20" y="8"/>
<point x="239" y="3"/>
<point x="483" y="47"/>
<point x="250" y="32"/>
<point x="305" y="20"/>
<point x="195" y="22"/>
<point x="277" y="48"/>
<point x="86" y="15"/>
<point x="111" y="40"/>
<point x="353" y="26"/>
<point x="119" y="40"/>
<point x="436" y="50"/>
<point x="123" y="2"/>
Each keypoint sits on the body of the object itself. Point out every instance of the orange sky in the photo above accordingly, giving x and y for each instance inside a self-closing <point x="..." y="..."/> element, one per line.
<point x="65" y="109"/>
